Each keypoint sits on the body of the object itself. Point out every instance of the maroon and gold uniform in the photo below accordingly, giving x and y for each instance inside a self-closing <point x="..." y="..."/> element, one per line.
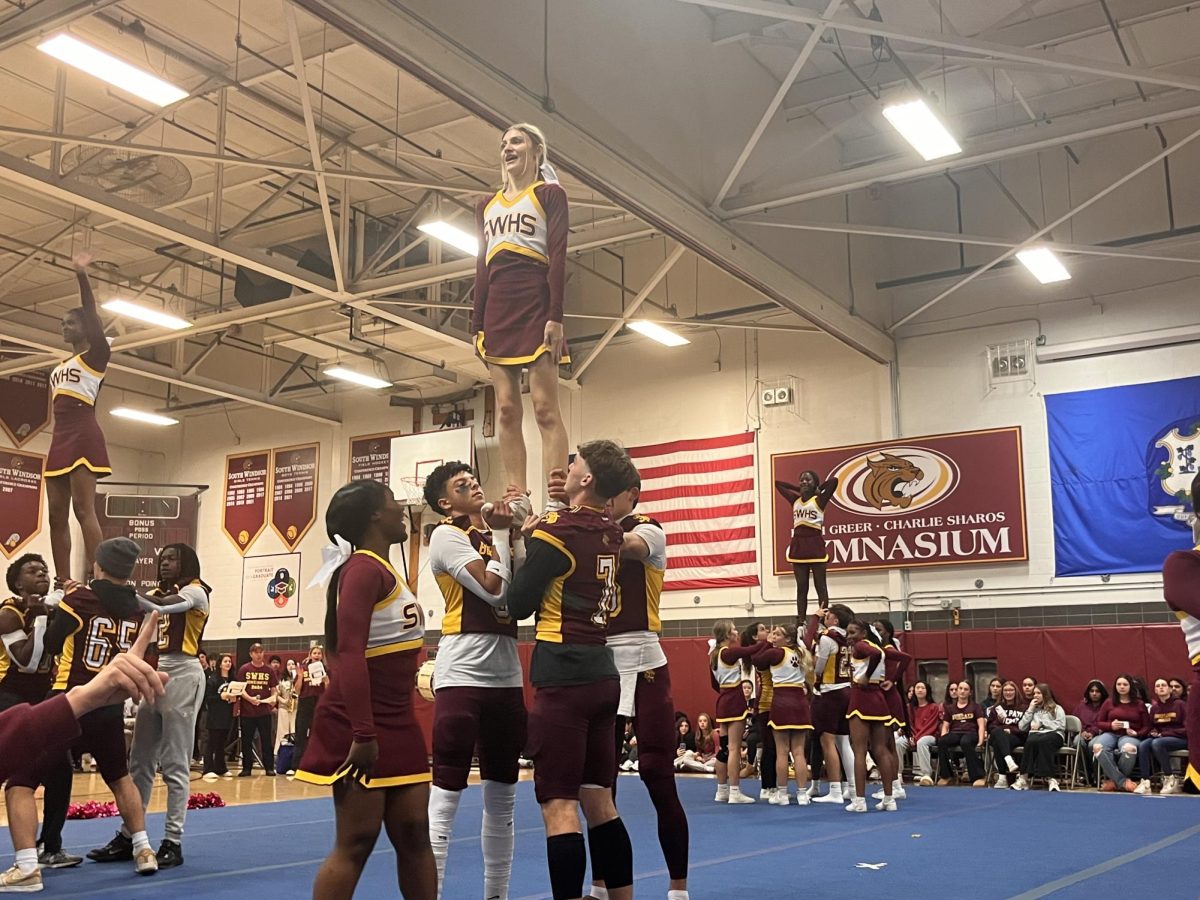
<point x="17" y="686"/>
<point x="867" y="701"/>
<point x="182" y="632"/>
<point x="895" y="662"/>
<point x="466" y="611"/>
<point x="91" y="627"/>
<point x="569" y="580"/>
<point x="520" y="273"/>
<point x="833" y="682"/>
<point x="1181" y="588"/>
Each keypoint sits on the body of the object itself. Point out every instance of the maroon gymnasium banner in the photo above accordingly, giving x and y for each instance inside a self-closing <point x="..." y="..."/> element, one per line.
<point x="371" y="456"/>
<point x="244" y="513"/>
<point x="940" y="500"/>
<point x="294" y="491"/>
<point x="24" y="405"/>
<point x="153" y="520"/>
<point x="20" y="499"/>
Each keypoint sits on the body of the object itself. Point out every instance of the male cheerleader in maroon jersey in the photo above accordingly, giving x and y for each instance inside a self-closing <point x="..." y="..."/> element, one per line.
<point x="569" y="580"/>
<point x="520" y="278"/>
<point x="634" y="628"/>
<point x="1181" y="588"/>
<point x="92" y="625"/>
<point x="478" y="698"/>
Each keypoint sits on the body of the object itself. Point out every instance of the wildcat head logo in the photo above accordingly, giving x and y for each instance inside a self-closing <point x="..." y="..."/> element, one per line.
<point x="894" y="480"/>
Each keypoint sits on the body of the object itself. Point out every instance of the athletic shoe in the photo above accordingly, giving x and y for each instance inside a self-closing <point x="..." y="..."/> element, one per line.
<point x="15" y="882"/>
<point x="736" y="796"/>
<point x="925" y="781"/>
<point x="1011" y="763"/>
<point x="803" y="799"/>
<point x="524" y="762"/>
<point x="227" y="775"/>
<point x="119" y="849"/>
<point x="887" y="804"/>
<point x="210" y="776"/>
<point x="1144" y="787"/>
<point x="1001" y="781"/>
<point x="722" y="794"/>
<point x="979" y="782"/>
<point x="291" y="772"/>
<point x="270" y="773"/>
<point x="1020" y="784"/>
<point x="1108" y="786"/>
<point x="834" y="796"/>
<point x="779" y="798"/>
<point x="1052" y="785"/>
<point x="170" y="855"/>
<point x="244" y="774"/>
<point x="522" y="509"/>
<point x="878" y="795"/>
<point x="1171" y="785"/>
<point x="59" y="859"/>
<point x="899" y="792"/>
<point x="857" y="805"/>
<point x="145" y="862"/>
<point x="1129" y="787"/>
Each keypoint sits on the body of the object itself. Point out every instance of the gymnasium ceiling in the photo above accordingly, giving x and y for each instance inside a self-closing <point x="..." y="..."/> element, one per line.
<point x="747" y="133"/>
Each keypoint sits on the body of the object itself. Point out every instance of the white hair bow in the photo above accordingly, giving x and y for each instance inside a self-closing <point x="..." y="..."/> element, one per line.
<point x="548" y="174"/>
<point x="332" y="556"/>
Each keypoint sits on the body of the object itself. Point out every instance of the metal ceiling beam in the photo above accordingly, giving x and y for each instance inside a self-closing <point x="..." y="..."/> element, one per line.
<point x="990" y="49"/>
<point x="1041" y="232"/>
<point x="1177" y="106"/>
<point x="768" y="115"/>
<point x="396" y="34"/>
<point x="314" y="146"/>
<point x="35" y="178"/>
<point x="41" y="341"/>
<point x="46" y="16"/>
<point x="951" y="237"/>
<point x="659" y="274"/>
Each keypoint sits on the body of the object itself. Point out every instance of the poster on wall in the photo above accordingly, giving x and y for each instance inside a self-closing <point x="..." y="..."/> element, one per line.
<point x="939" y="500"/>
<point x="24" y="405"/>
<point x="294" y="491"/>
<point x="270" y="586"/>
<point x="20" y="499"/>
<point x="1122" y="461"/>
<point x="244" y="510"/>
<point x="371" y="456"/>
<point x="153" y="520"/>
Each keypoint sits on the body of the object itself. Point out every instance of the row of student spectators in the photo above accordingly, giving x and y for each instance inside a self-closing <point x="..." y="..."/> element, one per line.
<point x="1125" y="736"/>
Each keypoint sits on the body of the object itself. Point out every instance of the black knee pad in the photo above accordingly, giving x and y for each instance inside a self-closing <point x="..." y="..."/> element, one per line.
<point x="612" y="854"/>
<point x="723" y="753"/>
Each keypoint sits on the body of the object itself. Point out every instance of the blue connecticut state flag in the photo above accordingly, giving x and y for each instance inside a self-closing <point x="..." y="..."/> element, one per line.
<point x="1122" y="460"/>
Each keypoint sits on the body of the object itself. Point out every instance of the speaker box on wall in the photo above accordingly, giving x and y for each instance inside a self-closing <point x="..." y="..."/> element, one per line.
<point x="251" y="288"/>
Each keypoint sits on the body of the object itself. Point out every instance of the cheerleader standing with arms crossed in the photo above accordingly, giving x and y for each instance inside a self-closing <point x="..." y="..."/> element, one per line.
<point x="807" y="552"/>
<point x="365" y="741"/>
<point x="870" y="718"/>
<point x="726" y="670"/>
<point x="520" y="276"/>
<point x="78" y="455"/>
<point x="790" y="719"/>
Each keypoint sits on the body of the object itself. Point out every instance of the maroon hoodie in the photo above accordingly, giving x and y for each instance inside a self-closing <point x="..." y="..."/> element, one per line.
<point x="1169" y="719"/>
<point x="1134" y="713"/>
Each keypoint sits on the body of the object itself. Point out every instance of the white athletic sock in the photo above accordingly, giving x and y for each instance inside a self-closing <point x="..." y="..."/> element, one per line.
<point x="27" y="861"/>
<point x="443" y="804"/>
<point x="677" y="895"/>
<point x="598" y="892"/>
<point x="497" y="838"/>
<point x="140" y="841"/>
<point x="846" y="754"/>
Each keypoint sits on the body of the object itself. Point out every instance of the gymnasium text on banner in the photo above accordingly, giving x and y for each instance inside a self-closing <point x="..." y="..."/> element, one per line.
<point x="702" y="491"/>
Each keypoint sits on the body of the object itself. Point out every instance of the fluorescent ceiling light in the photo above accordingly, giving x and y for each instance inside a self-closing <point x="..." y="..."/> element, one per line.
<point x="357" y="377"/>
<point x="656" y="332"/>
<point x="919" y="126"/>
<point x="452" y="235"/>
<point x="116" y="72"/>
<point x="146" y="314"/>
<point x="1045" y="266"/>
<point x="148" y="418"/>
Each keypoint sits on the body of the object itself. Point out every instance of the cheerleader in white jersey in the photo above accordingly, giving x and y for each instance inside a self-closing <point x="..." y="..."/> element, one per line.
<point x="869" y="715"/>
<point x="517" y="318"/>
<point x="807" y="552"/>
<point x="78" y="455"/>
<point x="792" y="677"/>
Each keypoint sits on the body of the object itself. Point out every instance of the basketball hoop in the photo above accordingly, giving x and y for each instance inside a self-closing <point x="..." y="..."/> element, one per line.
<point x="409" y="492"/>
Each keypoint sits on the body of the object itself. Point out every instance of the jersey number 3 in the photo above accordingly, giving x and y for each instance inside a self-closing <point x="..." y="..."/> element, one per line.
<point x="606" y="571"/>
<point x="105" y="639"/>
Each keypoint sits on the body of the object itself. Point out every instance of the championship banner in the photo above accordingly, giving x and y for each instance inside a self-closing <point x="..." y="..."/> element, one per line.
<point x="244" y="515"/>
<point x="270" y="586"/>
<point x="371" y="456"/>
<point x="294" y="491"/>
<point x="20" y="499"/>
<point x="24" y="405"/>
<point x="153" y="520"/>
<point x="1122" y="460"/>
<point x="940" y="500"/>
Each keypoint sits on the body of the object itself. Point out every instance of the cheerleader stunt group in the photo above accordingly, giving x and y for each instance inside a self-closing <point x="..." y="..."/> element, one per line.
<point x="588" y="570"/>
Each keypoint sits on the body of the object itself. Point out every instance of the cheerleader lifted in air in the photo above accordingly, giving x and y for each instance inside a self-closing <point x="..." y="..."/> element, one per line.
<point x="517" y="317"/>
<point x="78" y="455"/>
<point x="807" y="552"/>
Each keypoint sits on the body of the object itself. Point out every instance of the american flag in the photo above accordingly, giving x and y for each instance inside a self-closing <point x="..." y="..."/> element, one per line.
<point x="702" y="491"/>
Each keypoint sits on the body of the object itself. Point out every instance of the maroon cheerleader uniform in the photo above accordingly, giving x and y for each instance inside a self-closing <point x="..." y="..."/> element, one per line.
<point x="808" y="522"/>
<point x="520" y="274"/>
<point x="790" y="710"/>
<point x="895" y="663"/>
<point x="1181" y="588"/>
<point x="726" y="674"/>
<point x="867" y="701"/>
<point x="380" y="633"/>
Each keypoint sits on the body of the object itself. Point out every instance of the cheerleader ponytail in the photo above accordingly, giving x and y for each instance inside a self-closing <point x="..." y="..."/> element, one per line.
<point x="346" y="521"/>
